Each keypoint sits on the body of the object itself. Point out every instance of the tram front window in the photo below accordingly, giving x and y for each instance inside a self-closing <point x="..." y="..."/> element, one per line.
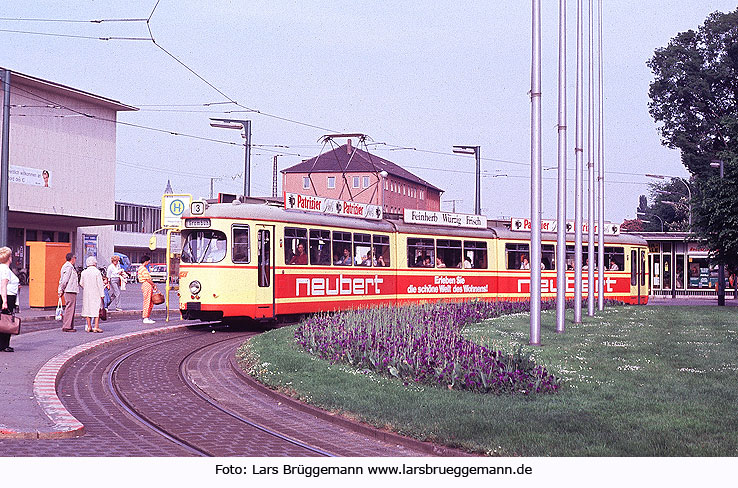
<point x="203" y="246"/>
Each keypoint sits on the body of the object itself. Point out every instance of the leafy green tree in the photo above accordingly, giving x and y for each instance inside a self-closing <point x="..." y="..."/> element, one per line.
<point x="694" y="99"/>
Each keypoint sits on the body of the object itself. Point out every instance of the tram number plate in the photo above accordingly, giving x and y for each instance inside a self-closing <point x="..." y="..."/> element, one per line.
<point x="197" y="223"/>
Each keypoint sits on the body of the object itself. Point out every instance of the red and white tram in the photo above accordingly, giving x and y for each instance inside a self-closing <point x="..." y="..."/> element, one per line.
<point x="261" y="261"/>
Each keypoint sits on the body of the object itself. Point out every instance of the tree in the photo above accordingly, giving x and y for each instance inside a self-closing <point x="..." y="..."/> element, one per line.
<point x="694" y="99"/>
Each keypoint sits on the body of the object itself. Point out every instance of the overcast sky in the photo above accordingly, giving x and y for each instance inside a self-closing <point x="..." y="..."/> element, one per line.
<point x="412" y="74"/>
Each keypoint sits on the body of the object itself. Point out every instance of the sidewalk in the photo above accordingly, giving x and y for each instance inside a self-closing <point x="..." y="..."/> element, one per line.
<point x="29" y="405"/>
<point x="131" y="303"/>
<point x="692" y="301"/>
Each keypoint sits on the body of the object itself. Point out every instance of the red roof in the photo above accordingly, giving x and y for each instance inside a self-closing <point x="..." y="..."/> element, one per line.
<point x="358" y="161"/>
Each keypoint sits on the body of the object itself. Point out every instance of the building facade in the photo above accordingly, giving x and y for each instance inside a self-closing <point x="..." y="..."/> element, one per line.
<point x="61" y="153"/>
<point x="349" y="173"/>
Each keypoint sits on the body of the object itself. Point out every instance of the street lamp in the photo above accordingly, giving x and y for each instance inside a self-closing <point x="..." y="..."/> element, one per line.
<point x="475" y="151"/>
<point x="718" y="163"/>
<point x="246" y="126"/>
<point x="689" y="192"/>
<point x="652" y="215"/>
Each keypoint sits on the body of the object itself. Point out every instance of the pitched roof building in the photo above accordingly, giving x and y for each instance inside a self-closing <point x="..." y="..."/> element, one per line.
<point x="349" y="173"/>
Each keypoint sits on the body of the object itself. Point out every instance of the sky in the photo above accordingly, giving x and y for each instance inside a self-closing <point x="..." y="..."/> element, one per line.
<point x="416" y="77"/>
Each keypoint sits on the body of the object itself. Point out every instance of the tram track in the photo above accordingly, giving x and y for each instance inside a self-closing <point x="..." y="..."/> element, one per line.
<point x="191" y="393"/>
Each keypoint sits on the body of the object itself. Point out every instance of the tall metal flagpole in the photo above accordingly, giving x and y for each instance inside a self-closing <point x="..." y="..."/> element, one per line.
<point x="590" y="174"/>
<point x="600" y="171"/>
<point x="578" y="155"/>
<point x="561" y="203"/>
<point x="535" y="179"/>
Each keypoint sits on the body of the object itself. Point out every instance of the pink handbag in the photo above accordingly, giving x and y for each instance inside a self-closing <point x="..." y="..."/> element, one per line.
<point x="9" y="324"/>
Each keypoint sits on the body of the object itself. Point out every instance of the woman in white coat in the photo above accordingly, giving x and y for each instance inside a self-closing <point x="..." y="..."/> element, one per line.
<point x="94" y="292"/>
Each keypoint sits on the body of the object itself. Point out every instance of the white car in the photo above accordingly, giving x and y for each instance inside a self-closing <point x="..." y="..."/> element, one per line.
<point x="158" y="273"/>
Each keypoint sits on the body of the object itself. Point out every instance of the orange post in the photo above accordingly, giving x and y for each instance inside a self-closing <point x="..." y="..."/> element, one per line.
<point x="45" y="262"/>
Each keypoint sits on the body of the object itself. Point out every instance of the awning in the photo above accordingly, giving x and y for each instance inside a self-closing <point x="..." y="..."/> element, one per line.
<point x="36" y="219"/>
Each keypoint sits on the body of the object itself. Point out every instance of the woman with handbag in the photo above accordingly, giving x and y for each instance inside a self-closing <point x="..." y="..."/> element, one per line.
<point x="147" y="289"/>
<point x="8" y="292"/>
<point x="93" y="295"/>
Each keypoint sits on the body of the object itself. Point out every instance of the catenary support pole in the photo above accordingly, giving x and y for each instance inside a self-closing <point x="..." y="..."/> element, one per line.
<point x="247" y="162"/>
<point x="4" y="159"/>
<point x="579" y="156"/>
<point x="535" y="179"/>
<point x="561" y="197"/>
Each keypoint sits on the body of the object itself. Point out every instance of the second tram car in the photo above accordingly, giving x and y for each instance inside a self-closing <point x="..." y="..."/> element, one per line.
<point x="259" y="261"/>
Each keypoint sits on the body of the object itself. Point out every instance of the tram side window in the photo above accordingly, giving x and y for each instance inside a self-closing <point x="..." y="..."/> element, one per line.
<point x="295" y="244"/>
<point x="475" y="255"/>
<point x="240" y="244"/>
<point x="448" y="253"/>
<point x="517" y="256"/>
<point x="320" y="247"/>
<point x="420" y="253"/>
<point x="585" y="257"/>
<point x="614" y="258"/>
<point x="363" y="250"/>
<point x="342" y="249"/>
<point x="548" y="256"/>
<point x="203" y="246"/>
<point x="381" y="250"/>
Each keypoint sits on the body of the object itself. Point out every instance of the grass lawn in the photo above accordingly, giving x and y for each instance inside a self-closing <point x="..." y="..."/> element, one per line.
<point x="638" y="381"/>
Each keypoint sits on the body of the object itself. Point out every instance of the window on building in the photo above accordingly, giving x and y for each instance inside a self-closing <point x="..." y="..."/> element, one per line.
<point x="356" y="182"/>
<point x="342" y="249"/>
<point x="517" y="256"/>
<point x="331" y="182"/>
<point x="448" y="253"/>
<point x="295" y="246"/>
<point x="420" y="253"/>
<point x="240" y="244"/>
<point x="63" y="236"/>
<point x="421" y="194"/>
<point x="365" y="182"/>
<point x="305" y="182"/>
<point x="475" y="255"/>
<point x="363" y="249"/>
<point x="381" y="250"/>
<point x="403" y="189"/>
<point x="320" y="247"/>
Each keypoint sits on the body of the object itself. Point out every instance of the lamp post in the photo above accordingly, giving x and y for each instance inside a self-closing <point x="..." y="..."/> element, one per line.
<point x="477" y="196"/>
<point x="718" y="163"/>
<point x="246" y="126"/>
<point x="652" y="215"/>
<point x="689" y="192"/>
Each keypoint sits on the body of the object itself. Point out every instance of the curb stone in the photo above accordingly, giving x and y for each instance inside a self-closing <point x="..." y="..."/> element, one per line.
<point x="65" y="425"/>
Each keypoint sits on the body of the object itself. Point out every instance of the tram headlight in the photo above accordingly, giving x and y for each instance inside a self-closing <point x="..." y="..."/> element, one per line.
<point x="195" y="287"/>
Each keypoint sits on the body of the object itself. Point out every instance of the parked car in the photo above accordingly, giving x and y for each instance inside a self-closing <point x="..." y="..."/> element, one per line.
<point x="133" y="273"/>
<point x="158" y="272"/>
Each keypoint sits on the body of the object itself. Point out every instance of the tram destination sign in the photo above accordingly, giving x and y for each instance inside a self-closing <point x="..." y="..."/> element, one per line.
<point x="329" y="206"/>
<point x="523" y="225"/>
<point x="429" y="217"/>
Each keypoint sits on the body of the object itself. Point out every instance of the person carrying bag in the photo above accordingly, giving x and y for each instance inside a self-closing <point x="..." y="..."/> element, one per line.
<point x="9" y="286"/>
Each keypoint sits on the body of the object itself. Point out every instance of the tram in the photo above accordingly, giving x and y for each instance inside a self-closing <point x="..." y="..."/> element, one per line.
<point x="263" y="261"/>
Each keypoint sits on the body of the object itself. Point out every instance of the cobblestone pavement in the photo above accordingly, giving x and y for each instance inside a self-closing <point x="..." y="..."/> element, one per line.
<point x="150" y="381"/>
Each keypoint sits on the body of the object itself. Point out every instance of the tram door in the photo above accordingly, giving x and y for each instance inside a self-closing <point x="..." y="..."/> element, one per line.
<point x="265" y="270"/>
<point x="638" y="273"/>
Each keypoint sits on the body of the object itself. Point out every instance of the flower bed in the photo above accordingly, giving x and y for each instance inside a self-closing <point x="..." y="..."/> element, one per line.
<point x="424" y="344"/>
